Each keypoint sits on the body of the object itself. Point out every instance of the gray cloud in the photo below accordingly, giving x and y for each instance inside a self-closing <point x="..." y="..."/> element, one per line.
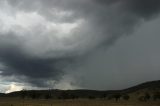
<point x="130" y="61"/>
<point x="35" y="42"/>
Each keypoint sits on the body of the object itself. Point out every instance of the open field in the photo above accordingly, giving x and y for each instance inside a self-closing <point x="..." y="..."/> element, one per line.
<point x="79" y="102"/>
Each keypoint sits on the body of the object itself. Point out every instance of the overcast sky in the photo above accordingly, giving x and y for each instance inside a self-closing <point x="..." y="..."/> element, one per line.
<point x="78" y="44"/>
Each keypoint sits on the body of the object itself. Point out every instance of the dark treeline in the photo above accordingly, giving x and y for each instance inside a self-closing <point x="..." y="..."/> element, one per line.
<point x="116" y="95"/>
<point x="78" y="94"/>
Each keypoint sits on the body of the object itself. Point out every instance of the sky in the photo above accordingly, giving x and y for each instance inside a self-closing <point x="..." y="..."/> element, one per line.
<point x="78" y="44"/>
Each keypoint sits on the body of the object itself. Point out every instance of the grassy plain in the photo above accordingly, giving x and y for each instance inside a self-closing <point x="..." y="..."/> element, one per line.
<point x="77" y="102"/>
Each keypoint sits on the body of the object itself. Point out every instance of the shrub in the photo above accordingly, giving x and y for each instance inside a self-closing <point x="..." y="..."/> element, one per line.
<point x="125" y="97"/>
<point x="48" y="96"/>
<point x="147" y="96"/>
<point x="156" y="96"/>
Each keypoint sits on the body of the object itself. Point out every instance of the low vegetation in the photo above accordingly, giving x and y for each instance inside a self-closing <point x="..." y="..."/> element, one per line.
<point x="147" y="94"/>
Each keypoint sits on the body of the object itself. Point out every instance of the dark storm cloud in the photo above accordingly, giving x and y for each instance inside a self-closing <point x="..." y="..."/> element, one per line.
<point x="144" y="8"/>
<point x="29" y="66"/>
<point x="35" y="69"/>
<point x="29" y="69"/>
<point x="105" y="22"/>
<point x="141" y="8"/>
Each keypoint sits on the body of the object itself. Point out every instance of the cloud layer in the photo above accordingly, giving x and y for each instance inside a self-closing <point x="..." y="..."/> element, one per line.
<point x="39" y="40"/>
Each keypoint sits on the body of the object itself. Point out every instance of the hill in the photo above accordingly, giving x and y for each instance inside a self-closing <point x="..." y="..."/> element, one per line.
<point x="152" y="85"/>
<point x="151" y="88"/>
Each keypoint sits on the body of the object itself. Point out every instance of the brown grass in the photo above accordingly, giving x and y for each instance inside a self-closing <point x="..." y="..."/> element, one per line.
<point x="79" y="102"/>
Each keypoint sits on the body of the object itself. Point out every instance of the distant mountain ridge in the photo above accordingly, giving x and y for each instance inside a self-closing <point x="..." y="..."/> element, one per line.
<point x="60" y="94"/>
<point x="148" y="85"/>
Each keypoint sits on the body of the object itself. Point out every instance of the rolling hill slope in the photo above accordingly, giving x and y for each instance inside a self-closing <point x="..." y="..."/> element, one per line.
<point x="148" y="87"/>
